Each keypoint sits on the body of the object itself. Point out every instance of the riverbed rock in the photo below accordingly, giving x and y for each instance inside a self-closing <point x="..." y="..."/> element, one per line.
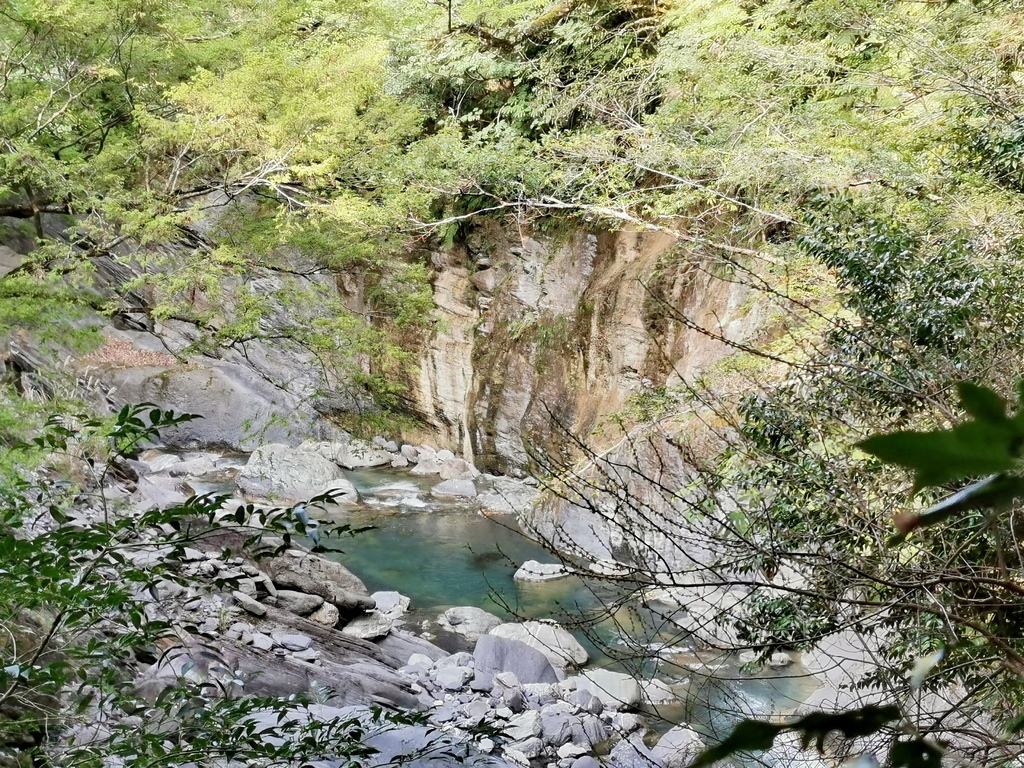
<point x="532" y="570"/>
<point x="454" y="489"/>
<point x="280" y="473"/>
<point x="468" y="621"/>
<point x="614" y="689"/>
<point x="240" y="409"/>
<point x="560" y="647"/>
<point x="524" y="725"/>
<point x="453" y="678"/>
<point x="292" y="641"/>
<point x="327" y="614"/>
<point x="358" y="453"/>
<point x="678" y="747"/>
<point x="631" y="753"/>
<point x="341" y="491"/>
<point x="656" y="692"/>
<point x="458" y="469"/>
<point x="427" y="464"/>
<point x="298" y="602"/>
<point x="157" y="492"/>
<point x="314" y="575"/>
<point x="498" y="654"/>
<point x="508" y="496"/>
<point x="392" y="604"/>
<point x="368" y="626"/>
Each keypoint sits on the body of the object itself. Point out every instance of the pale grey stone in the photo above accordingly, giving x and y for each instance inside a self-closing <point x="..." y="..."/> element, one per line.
<point x="530" y="748"/>
<point x="454" y="489"/>
<point x="391" y="604"/>
<point x="560" y="647"/>
<point x="468" y="621"/>
<point x="678" y="747"/>
<point x="524" y="725"/>
<point x="453" y="678"/>
<point x="615" y="689"/>
<point x="369" y="626"/>
<point x="327" y="614"/>
<point x="532" y="570"/>
<point x="248" y="604"/>
<point x="499" y="654"/>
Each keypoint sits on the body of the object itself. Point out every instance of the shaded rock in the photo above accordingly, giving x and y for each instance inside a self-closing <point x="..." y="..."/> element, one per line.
<point x="532" y="570"/>
<point x="305" y="572"/>
<point x="529" y="748"/>
<point x="292" y="641"/>
<point x="656" y="692"/>
<point x="399" y="646"/>
<point x="586" y="701"/>
<point x="468" y="621"/>
<point x="561" y="648"/>
<point x="427" y="465"/>
<point x="240" y="409"/>
<point x="524" y="725"/>
<point x="631" y="753"/>
<point x="298" y="602"/>
<point x="508" y="496"/>
<point x="498" y="654"/>
<point x="158" y="493"/>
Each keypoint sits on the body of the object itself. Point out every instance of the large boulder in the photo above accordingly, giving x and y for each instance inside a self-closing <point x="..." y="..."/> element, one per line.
<point x="455" y="489"/>
<point x="356" y="453"/>
<point x="280" y="473"/>
<point x="494" y="654"/>
<point x="468" y="621"/>
<point x="560" y="647"/>
<point x="678" y="747"/>
<point x="240" y="409"/>
<point x="614" y="689"/>
<point x="458" y="469"/>
<point x="305" y="572"/>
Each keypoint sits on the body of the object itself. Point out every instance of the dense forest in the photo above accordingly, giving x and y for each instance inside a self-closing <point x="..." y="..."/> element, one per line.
<point x="856" y="165"/>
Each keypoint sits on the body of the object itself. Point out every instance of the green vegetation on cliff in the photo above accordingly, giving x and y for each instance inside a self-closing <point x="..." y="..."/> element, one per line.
<point x="215" y="147"/>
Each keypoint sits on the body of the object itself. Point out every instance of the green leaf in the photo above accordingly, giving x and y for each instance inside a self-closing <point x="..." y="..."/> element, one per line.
<point x="981" y="402"/>
<point x="943" y="456"/>
<point x="747" y="736"/>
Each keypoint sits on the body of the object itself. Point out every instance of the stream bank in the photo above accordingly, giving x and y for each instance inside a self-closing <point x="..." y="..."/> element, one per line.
<point x="430" y="556"/>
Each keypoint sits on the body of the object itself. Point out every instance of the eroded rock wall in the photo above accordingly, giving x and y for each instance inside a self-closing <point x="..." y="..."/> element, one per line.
<point x="542" y="334"/>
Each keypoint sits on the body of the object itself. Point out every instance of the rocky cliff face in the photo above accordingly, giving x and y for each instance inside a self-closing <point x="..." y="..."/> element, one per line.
<point x="537" y="335"/>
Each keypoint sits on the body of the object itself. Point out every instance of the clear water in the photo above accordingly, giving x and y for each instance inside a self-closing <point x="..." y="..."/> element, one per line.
<point x="442" y="553"/>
